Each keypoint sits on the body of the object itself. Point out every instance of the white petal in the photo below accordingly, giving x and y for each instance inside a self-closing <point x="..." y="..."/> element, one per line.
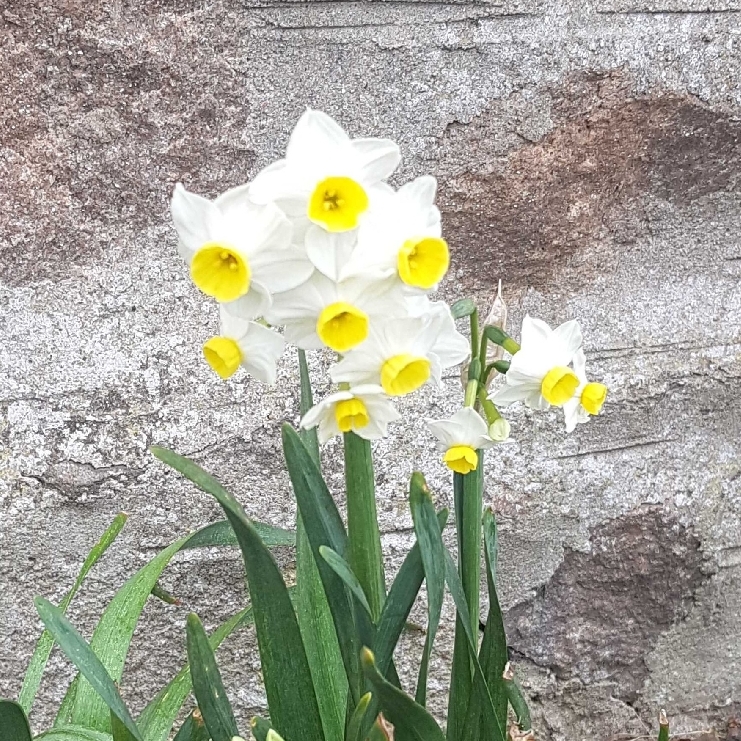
<point x="192" y="215"/>
<point x="420" y="192"/>
<point x="376" y="158"/>
<point x="261" y="348"/>
<point x="510" y="395"/>
<point x="256" y="302"/>
<point x="534" y="332"/>
<point x="535" y="400"/>
<point x="233" y="197"/>
<point x="330" y="253"/>
<point x="282" y="270"/>
<point x="564" y="342"/>
<point x="315" y="134"/>
<point x="277" y="183"/>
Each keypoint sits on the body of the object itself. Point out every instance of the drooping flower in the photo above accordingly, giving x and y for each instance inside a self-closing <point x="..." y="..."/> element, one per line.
<point x="403" y="354"/>
<point x="588" y="397"/>
<point x="459" y="439"/>
<point x="237" y="250"/>
<point x="364" y="410"/>
<point x="539" y="374"/>
<point x="401" y="236"/>
<point x="338" y="315"/>
<point x="326" y="177"/>
<point x="244" y="343"/>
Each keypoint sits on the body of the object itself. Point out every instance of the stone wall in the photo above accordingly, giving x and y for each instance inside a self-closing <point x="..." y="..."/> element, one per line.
<point x="588" y="154"/>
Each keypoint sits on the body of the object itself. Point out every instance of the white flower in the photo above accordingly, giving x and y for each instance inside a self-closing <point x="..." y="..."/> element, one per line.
<point x="403" y="354"/>
<point x="321" y="312"/>
<point x="364" y="410"/>
<point x="236" y="249"/>
<point x="588" y="398"/>
<point x="459" y="439"/>
<point x="244" y="343"/>
<point x="401" y="236"/>
<point x="325" y="176"/>
<point x="539" y="374"/>
<point x="499" y="430"/>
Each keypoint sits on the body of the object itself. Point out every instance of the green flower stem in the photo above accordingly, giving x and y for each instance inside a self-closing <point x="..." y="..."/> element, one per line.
<point x="471" y="389"/>
<point x="475" y="333"/>
<point x="468" y="512"/>
<point x="490" y="409"/>
<point x="364" y="537"/>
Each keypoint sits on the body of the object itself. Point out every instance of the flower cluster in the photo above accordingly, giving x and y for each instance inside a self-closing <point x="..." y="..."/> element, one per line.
<point x="320" y="245"/>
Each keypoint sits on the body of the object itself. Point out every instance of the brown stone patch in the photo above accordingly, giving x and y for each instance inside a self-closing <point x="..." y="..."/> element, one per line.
<point x="602" y="612"/>
<point x="582" y="186"/>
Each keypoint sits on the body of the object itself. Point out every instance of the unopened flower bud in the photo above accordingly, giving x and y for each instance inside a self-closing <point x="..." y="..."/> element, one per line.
<point x="499" y="430"/>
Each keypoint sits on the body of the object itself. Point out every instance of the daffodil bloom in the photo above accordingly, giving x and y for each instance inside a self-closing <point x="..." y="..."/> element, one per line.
<point x="364" y="410"/>
<point x="460" y="438"/>
<point x="338" y="315"/>
<point x="244" y="343"/>
<point x="326" y="177"/>
<point x="403" y="354"/>
<point x="402" y="236"/>
<point x="540" y="373"/>
<point x="237" y="250"/>
<point x="588" y="398"/>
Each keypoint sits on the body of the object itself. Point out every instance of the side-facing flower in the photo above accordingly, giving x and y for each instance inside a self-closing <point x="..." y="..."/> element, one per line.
<point x="459" y="439"/>
<point x="364" y="410"/>
<point x="338" y="315"/>
<point x="326" y="177"/>
<point x="401" y="236"/>
<point x="588" y="398"/>
<point x="244" y="343"/>
<point x="539" y="374"/>
<point x="237" y="250"/>
<point x="403" y="354"/>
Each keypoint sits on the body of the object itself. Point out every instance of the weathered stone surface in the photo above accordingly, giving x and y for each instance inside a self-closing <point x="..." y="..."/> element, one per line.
<point x="587" y="153"/>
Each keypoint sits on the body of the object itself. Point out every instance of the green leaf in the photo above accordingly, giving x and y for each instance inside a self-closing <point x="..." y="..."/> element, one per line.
<point x="324" y="527"/>
<point x="399" y="602"/>
<point x="260" y="728"/>
<point x="479" y="692"/>
<point x="64" y="712"/>
<point x="82" y="656"/>
<point x="293" y="704"/>
<point x="363" y="536"/>
<point x="157" y="719"/>
<point x="312" y="608"/>
<point x="663" y="726"/>
<point x="36" y="666"/>
<point x="516" y="699"/>
<point x="221" y="534"/>
<point x="493" y="652"/>
<point x="13" y="722"/>
<point x="73" y="733"/>
<point x="193" y="729"/>
<point x="207" y="685"/>
<point x="343" y="570"/>
<point x="462" y="307"/>
<point x="119" y="731"/>
<point x="411" y="721"/>
<point x="432" y="552"/>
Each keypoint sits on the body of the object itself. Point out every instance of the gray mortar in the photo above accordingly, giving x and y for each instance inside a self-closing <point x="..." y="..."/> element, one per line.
<point x="588" y="154"/>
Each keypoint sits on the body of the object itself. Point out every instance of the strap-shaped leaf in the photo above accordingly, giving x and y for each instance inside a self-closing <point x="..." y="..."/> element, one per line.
<point x="207" y="685"/>
<point x="324" y="527"/>
<point x="64" y="712"/>
<point x="221" y="534"/>
<point x="13" y="722"/>
<point x="343" y="570"/>
<point x="36" y="666"/>
<point x="410" y="720"/>
<point x="119" y="731"/>
<point x="312" y="608"/>
<point x="432" y="552"/>
<point x="479" y="692"/>
<point x="73" y="733"/>
<point x="82" y="656"/>
<point x="399" y="602"/>
<point x="493" y="652"/>
<point x="156" y="720"/>
<point x="288" y="685"/>
<point x="357" y="719"/>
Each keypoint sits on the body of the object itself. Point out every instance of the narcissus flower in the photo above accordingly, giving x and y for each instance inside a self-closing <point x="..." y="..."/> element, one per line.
<point x="539" y="374"/>
<point x="323" y="313"/>
<point x="588" y="398"/>
<point x="236" y="249"/>
<point x="403" y="354"/>
<point x="244" y="343"/>
<point x="401" y="236"/>
<point x="326" y="177"/>
<point x="364" y="410"/>
<point x="459" y="439"/>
